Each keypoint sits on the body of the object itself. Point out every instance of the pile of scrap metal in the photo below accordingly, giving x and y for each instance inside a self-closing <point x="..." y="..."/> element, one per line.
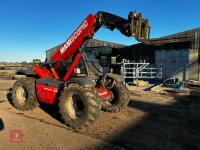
<point x="194" y="87"/>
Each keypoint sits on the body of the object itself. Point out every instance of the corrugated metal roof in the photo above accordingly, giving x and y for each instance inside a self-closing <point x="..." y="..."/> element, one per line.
<point x="91" y="43"/>
<point x="183" y="40"/>
<point x="95" y="43"/>
<point x="192" y="35"/>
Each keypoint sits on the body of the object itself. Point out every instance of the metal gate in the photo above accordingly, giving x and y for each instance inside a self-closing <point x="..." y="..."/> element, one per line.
<point x="134" y="71"/>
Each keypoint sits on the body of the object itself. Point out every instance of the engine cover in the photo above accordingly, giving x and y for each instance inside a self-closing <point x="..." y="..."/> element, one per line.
<point x="48" y="89"/>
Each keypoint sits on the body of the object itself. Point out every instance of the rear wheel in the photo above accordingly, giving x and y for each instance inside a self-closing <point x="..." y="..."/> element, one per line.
<point x="120" y="98"/>
<point x="78" y="106"/>
<point x="24" y="94"/>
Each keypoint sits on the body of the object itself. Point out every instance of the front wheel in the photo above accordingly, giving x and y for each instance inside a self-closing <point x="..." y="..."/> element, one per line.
<point x="79" y="106"/>
<point x="120" y="98"/>
<point x="24" y="94"/>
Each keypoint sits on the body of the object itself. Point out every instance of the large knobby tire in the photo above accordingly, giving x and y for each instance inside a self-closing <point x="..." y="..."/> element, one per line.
<point x="24" y="94"/>
<point x="120" y="98"/>
<point x="79" y="107"/>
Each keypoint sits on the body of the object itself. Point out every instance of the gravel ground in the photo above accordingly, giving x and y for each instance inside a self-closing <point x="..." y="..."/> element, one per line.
<point x="152" y="121"/>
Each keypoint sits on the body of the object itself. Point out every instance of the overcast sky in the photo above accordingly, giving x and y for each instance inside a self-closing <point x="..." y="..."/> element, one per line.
<point x="29" y="27"/>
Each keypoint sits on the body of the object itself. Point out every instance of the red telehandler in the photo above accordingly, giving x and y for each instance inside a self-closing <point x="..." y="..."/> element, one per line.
<point x="80" y="99"/>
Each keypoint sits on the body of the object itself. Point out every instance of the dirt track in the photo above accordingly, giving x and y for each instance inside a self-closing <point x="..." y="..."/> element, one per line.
<point x="152" y="121"/>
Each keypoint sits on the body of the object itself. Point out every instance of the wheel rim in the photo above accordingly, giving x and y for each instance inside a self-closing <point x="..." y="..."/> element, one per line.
<point x="22" y="94"/>
<point x="114" y="99"/>
<point x="75" y="106"/>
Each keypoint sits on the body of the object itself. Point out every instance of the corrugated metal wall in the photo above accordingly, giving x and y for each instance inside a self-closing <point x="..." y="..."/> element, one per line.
<point x="194" y="58"/>
<point x="196" y="42"/>
<point x="182" y="63"/>
<point x="173" y="62"/>
<point x="51" y="52"/>
<point x="138" y="52"/>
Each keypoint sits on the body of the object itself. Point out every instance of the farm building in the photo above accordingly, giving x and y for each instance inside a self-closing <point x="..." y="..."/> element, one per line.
<point x="177" y="54"/>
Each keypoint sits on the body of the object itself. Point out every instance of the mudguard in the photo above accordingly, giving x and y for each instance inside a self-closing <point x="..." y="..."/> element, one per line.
<point x="25" y="71"/>
<point x="85" y="82"/>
